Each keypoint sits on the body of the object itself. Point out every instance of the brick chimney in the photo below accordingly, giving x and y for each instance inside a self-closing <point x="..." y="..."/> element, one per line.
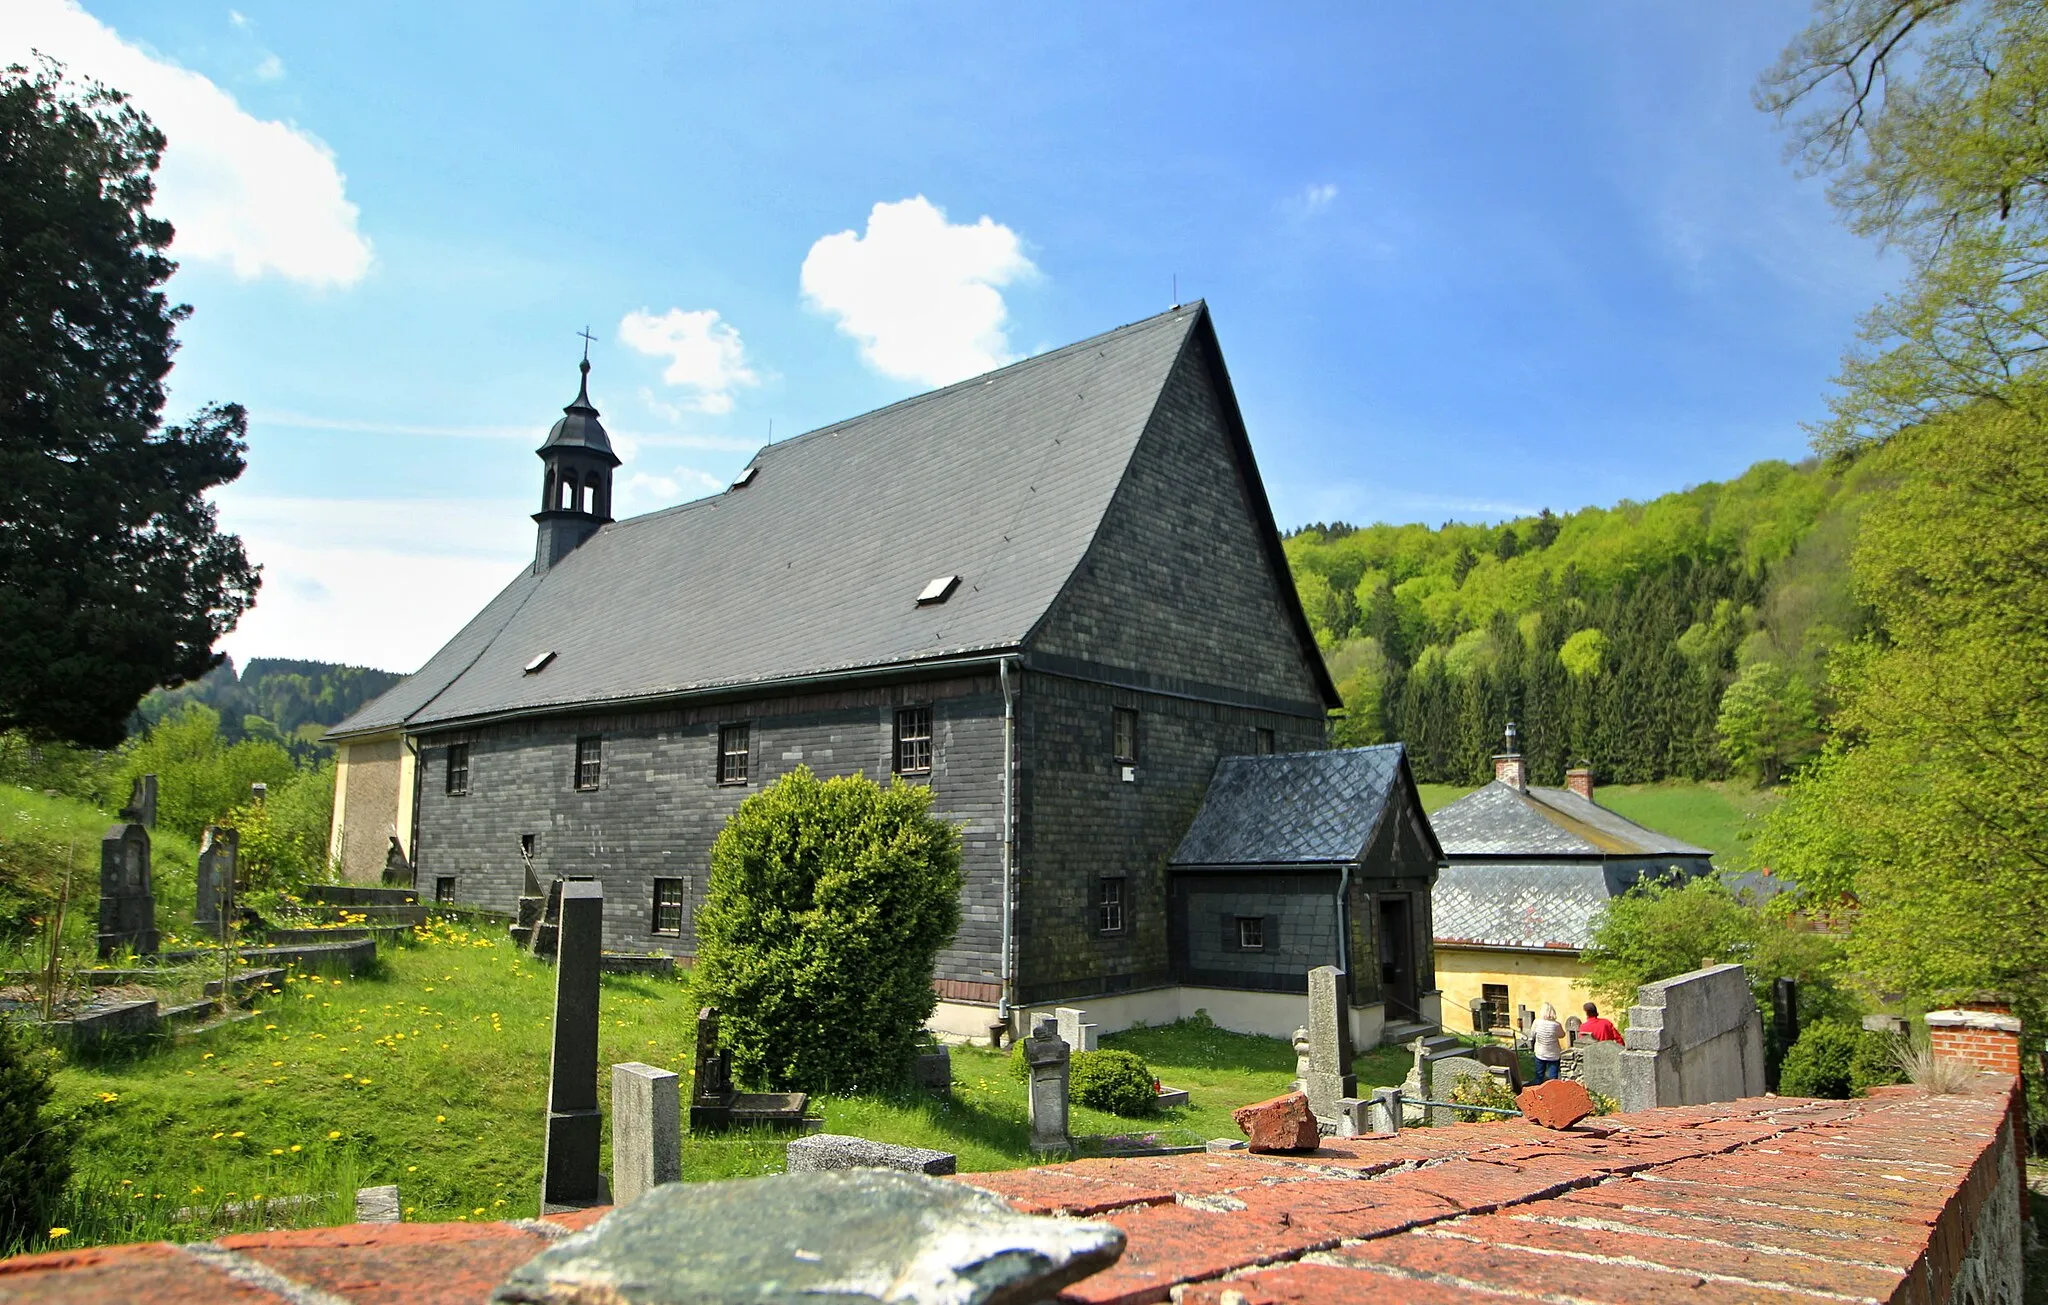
<point x="1508" y="767"/>
<point x="1983" y="1033"/>
<point x="1579" y="779"/>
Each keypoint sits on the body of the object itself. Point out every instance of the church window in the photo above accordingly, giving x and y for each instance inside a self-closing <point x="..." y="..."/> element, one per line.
<point x="1109" y="904"/>
<point x="914" y="741"/>
<point x="458" y="769"/>
<point x="1262" y="742"/>
<point x="668" y="908"/>
<point x="732" y="753"/>
<point x="1125" y="724"/>
<point x="1495" y="995"/>
<point x="589" y="760"/>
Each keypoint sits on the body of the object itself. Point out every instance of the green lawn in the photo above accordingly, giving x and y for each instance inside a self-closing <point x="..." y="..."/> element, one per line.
<point x="430" y="1074"/>
<point x="1715" y="814"/>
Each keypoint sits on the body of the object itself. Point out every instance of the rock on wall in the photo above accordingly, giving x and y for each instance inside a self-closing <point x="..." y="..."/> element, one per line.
<point x="1693" y="1039"/>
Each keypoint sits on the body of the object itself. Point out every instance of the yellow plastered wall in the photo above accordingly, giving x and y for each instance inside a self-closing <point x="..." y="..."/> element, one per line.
<point x="372" y="801"/>
<point x="1532" y="978"/>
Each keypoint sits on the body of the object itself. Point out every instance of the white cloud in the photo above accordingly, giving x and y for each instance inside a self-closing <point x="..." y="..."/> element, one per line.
<point x="271" y="69"/>
<point x="260" y="196"/>
<point x="236" y="18"/>
<point x="922" y="295"/>
<point x="645" y="491"/>
<point x="330" y="567"/>
<point x="1317" y="198"/>
<point x="704" y="354"/>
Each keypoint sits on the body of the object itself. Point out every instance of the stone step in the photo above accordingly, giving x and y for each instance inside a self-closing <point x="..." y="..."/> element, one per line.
<point x="360" y="895"/>
<point x="1407" y="1031"/>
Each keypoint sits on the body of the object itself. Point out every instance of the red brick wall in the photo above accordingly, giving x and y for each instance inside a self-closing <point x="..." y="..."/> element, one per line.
<point x="1991" y="1049"/>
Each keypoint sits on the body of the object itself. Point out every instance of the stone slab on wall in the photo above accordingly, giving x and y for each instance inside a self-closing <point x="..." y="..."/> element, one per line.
<point x="1693" y="1039"/>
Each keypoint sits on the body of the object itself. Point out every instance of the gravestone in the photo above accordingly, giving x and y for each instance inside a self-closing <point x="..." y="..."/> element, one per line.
<point x="1439" y="1063"/>
<point x="1048" y="1055"/>
<point x="1571" y="1030"/>
<point x="1506" y="1058"/>
<point x="1075" y="1031"/>
<point x="647" y="1129"/>
<point x="1693" y="1039"/>
<point x="933" y="1071"/>
<point x="570" y="1177"/>
<point x="397" y="870"/>
<point x="217" y="849"/>
<point x="127" y="904"/>
<point x="1330" y="1080"/>
<point x="1482" y="1015"/>
<point x="1595" y="1064"/>
<point x="824" y="1151"/>
<point x="141" y="808"/>
<point x="1301" y="1061"/>
<point x="716" y="1105"/>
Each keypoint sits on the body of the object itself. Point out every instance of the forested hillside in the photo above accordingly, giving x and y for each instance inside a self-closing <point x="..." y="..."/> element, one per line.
<point x="272" y="699"/>
<point x="1682" y="637"/>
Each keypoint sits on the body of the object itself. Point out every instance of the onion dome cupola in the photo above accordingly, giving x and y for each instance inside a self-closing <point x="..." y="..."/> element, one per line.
<point x="576" y="489"/>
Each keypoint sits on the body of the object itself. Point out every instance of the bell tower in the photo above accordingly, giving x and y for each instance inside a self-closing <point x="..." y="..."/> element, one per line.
<point x="576" y="488"/>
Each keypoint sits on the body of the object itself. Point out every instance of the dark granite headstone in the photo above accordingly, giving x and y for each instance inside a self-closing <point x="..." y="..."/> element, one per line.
<point x="141" y="808"/>
<point x="397" y="870"/>
<point x="715" y="1105"/>
<point x="127" y="905"/>
<point x="570" y="1176"/>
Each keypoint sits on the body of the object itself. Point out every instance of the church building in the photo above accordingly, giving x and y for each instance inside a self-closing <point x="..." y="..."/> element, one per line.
<point x="1054" y="593"/>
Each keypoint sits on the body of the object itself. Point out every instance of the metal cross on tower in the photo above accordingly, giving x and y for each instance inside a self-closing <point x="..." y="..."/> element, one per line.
<point x="588" y="340"/>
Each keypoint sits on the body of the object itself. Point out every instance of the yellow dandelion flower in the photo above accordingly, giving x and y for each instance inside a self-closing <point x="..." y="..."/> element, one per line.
<point x="277" y="1150"/>
<point x="295" y="1147"/>
<point x="59" y="1232"/>
<point x="206" y="1055"/>
<point x="110" y="1096"/>
<point x="269" y="1026"/>
<point x="478" y="1210"/>
<point x="332" y="1134"/>
<point x="363" y="1082"/>
<point x="440" y="1119"/>
<point x="276" y="1064"/>
<point x="218" y="1136"/>
<point x="199" y="1191"/>
<point x="238" y="1133"/>
<point x="412" y="1169"/>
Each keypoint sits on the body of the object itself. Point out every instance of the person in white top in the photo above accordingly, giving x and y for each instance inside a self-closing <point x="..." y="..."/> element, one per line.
<point x="1546" y="1040"/>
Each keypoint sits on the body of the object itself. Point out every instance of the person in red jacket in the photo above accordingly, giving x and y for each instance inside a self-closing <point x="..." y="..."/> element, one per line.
<point x="1596" y="1029"/>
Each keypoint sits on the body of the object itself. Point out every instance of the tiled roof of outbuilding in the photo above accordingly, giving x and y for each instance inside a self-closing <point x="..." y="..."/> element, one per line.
<point x="814" y="566"/>
<point x="1294" y="808"/>
<point x="1536" y="905"/>
<point x="1500" y="820"/>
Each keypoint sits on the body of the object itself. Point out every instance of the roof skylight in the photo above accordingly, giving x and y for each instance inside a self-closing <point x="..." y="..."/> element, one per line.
<point x="939" y="590"/>
<point x="745" y="478"/>
<point x="540" y="663"/>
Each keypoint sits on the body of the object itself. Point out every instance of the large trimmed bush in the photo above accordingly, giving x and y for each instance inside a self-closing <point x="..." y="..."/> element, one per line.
<point x="828" y="903"/>
<point x="1115" y="1081"/>
<point x="35" y="1148"/>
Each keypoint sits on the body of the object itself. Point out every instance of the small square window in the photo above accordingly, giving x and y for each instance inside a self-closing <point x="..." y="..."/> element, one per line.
<point x="458" y="769"/>
<point x="1251" y="933"/>
<point x="914" y="741"/>
<point x="589" y="761"/>
<point x="1110" y="905"/>
<point x="1262" y="742"/>
<point x="1495" y="995"/>
<point x="1125" y="735"/>
<point x="732" y="753"/>
<point x="444" y="888"/>
<point x="668" y="908"/>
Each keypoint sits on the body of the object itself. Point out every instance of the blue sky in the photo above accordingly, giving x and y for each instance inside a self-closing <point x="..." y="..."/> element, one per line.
<point x="1466" y="261"/>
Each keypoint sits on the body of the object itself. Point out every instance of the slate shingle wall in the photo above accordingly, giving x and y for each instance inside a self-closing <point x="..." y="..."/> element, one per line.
<point x="1299" y="912"/>
<point x="1078" y="820"/>
<point x="1177" y="582"/>
<point x="660" y="805"/>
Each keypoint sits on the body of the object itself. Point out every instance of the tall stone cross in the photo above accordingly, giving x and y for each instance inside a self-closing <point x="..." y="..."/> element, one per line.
<point x="569" y="1169"/>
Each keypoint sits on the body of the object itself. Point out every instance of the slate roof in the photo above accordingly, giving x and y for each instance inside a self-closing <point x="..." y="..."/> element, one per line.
<point x="1500" y="820"/>
<point x="1538" y="904"/>
<point x="814" y="566"/>
<point x="1294" y="808"/>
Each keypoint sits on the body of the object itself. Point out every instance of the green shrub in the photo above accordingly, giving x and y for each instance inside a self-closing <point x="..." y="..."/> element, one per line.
<point x="200" y="775"/>
<point x="35" y="1149"/>
<point x="1818" y="1065"/>
<point x="1472" y="1090"/>
<point x="282" y="843"/>
<point x="1876" y="1062"/>
<point x="827" y="906"/>
<point x="1116" y="1081"/>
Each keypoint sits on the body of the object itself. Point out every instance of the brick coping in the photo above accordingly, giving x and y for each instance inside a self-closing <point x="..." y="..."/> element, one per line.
<point x="1764" y="1199"/>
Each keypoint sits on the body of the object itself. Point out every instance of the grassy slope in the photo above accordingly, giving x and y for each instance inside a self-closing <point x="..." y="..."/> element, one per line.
<point x="431" y="1073"/>
<point x="37" y="833"/>
<point x="1715" y="815"/>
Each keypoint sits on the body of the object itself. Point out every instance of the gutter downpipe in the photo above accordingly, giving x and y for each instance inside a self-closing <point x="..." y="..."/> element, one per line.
<point x="1344" y="923"/>
<point x="1009" y="841"/>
